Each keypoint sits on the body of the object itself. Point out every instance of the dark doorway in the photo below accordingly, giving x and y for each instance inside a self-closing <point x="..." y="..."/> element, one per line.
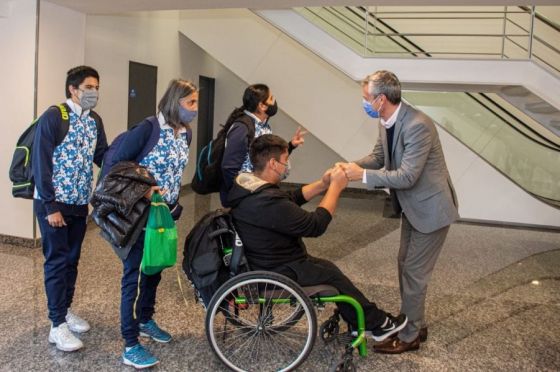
<point x="142" y="85"/>
<point x="205" y="127"/>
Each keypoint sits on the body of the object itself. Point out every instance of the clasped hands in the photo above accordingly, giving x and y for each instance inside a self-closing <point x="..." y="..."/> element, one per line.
<point x="342" y="173"/>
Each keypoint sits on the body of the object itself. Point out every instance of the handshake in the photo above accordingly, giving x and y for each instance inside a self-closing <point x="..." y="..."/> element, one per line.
<point x="341" y="173"/>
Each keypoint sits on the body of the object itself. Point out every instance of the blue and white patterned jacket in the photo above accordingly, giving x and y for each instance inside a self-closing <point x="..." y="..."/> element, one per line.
<point x="168" y="159"/>
<point x="63" y="173"/>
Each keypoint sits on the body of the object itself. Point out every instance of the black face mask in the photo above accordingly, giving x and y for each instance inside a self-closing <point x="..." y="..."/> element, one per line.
<point x="272" y="109"/>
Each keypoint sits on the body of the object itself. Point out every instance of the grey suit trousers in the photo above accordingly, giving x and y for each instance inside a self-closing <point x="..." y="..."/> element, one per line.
<point x="418" y="254"/>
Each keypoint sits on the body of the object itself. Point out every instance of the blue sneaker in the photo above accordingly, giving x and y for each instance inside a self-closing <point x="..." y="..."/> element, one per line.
<point x="139" y="358"/>
<point x="152" y="330"/>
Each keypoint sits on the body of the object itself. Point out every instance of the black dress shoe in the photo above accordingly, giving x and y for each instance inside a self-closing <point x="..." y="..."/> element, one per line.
<point x="397" y="346"/>
<point x="423" y="335"/>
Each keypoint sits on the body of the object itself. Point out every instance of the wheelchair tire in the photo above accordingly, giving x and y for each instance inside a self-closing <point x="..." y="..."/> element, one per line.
<point x="274" y="333"/>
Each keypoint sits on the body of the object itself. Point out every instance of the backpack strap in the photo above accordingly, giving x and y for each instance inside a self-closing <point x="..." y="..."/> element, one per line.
<point x="64" y="122"/>
<point x="152" y="140"/>
<point x="250" y="124"/>
<point x="238" y="263"/>
<point x="98" y="121"/>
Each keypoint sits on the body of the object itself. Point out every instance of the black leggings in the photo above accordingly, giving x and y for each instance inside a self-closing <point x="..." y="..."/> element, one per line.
<point x="315" y="271"/>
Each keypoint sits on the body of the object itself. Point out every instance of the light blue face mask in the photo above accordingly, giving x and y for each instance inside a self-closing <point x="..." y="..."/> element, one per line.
<point x="186" y="116"/>
<point x="368" y="108"/>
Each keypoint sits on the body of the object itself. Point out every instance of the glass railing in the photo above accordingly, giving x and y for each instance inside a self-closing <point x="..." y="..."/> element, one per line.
<point x="510" y="32"/>
<point x="517" y="119"/>
<point x="522" y="155"/>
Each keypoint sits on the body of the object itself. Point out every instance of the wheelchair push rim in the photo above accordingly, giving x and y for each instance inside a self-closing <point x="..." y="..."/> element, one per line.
<point x="274" y="329"/>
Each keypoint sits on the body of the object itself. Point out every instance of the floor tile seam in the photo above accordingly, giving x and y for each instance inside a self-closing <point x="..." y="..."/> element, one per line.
<point x="477" y="304"/>
<point x="511" y="265"/>
<point x="486" y="328"/>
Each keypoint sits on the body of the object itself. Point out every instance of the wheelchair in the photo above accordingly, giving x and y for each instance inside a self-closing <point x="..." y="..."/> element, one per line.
<point x="264" y="321"/>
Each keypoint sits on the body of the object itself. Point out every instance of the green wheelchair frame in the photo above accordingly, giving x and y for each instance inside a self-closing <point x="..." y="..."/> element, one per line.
<point x="218" y="333"/>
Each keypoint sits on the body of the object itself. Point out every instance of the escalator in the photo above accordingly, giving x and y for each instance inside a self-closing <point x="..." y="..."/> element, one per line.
<point x="528" y="158"/>
<point x="512" y="130"/>
<point x="306" y="65"/>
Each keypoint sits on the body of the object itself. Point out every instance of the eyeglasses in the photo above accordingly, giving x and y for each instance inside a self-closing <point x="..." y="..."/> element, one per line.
<point x="284" y="164"/>
<point x="375" y="98"/>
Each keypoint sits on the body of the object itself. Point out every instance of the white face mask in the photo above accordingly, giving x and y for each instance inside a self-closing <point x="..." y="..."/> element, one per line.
<point x="88" y="98"/>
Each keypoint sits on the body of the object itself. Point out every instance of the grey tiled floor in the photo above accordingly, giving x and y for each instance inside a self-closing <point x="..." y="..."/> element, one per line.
<point x="484" y="311"/>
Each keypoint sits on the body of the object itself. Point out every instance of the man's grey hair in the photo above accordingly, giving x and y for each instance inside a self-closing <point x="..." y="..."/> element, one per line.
<point x="386" y="83"/>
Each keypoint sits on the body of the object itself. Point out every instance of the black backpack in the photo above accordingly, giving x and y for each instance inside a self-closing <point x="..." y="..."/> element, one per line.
<point x="21" y="169"/>
<point x="208" y="175"/>
<point x="213" y="253"/>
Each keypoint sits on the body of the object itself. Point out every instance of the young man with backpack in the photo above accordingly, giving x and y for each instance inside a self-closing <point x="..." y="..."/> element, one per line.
<point x="243" y="125"/>
<point x="63" y="175"/>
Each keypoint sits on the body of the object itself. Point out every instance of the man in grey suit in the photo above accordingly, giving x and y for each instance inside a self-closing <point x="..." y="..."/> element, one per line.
<point x="408" y="159"/>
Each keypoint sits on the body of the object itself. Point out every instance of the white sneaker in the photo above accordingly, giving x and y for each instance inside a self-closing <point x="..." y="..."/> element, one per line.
<point x="75" y="323"/>
<point x="64" y="339"/>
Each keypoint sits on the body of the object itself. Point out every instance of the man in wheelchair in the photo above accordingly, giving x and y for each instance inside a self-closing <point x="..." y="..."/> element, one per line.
<point x="271" y="224"/>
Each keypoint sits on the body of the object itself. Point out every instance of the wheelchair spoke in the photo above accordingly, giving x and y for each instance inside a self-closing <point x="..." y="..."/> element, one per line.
<point x="236" y="317"/>
<point x="273" y="330"/>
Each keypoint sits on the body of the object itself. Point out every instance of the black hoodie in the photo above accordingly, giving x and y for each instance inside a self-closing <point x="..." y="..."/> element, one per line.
<point x="271" y="222"/>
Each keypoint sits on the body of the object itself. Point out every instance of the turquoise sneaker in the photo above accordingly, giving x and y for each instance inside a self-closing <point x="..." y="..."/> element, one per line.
<point x="139" y="358"/>
<point x="152" y="330"/>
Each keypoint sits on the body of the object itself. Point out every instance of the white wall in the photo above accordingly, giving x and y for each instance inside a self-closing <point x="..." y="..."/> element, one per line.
<point x="153" y="38"/>
<point x="308" y="162"/>
<point x="114" y="40"/>
<point x="415" y="70"/>
<point x="486" y="195"/>
<point x="329" y="104"/>
<point x="61" y="47"/>
<point x="17" y="64"/>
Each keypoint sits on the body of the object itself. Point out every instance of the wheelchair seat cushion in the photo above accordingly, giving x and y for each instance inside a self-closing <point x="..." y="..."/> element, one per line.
<point x="311" y="291"/>
<point x="320" y="290"/>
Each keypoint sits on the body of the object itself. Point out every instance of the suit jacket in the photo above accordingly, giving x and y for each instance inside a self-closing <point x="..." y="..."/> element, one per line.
<point x="417" y="174"/>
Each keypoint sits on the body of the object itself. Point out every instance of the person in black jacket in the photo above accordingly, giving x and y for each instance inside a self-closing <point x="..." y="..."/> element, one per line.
<point x="271" y="224"/>
<point x="259" y="104"/>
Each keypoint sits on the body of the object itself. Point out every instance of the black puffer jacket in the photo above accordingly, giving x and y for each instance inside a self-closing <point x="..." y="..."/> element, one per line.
<point x="120" y="209"/>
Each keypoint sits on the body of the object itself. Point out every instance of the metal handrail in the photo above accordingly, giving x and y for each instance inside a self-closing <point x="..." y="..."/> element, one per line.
<point x="420" y="50"/>
<point x="444" y="35"/>
<point x="542" y="18"/>
<point x="451" y="12"/>
<point x="373" y="23"/>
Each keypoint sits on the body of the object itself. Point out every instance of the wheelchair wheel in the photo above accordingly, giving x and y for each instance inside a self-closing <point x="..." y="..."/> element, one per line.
<point x="273" y="330"/>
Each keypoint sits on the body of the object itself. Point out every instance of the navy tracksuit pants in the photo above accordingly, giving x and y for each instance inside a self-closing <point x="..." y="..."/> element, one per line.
<point x="61" y="247"/>
<point x="142" y="302"/>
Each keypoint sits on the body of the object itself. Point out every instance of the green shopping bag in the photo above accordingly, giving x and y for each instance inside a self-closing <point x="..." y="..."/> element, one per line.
<point x="160" y="242"/>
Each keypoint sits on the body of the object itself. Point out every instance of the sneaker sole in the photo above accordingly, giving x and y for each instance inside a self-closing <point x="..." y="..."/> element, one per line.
<point x="65" y="348"/>
<point x="78" y="330"/>
<point x="138" y="366"/>
<point x="142" y="334"/>
<point x="389" y="334"/>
